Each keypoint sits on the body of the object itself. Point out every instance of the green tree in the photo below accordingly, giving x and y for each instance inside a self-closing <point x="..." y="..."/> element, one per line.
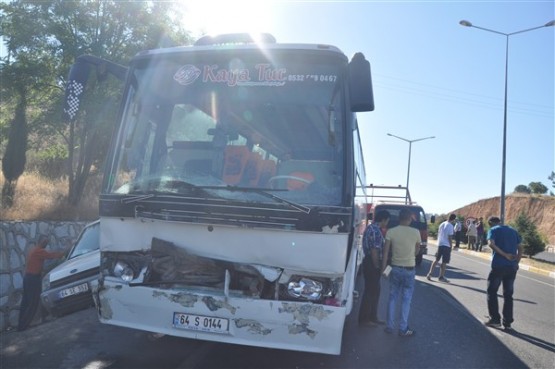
<point x="538" y="188"/>
<point x="13" y="161"/>
<point x="522" y="189"/>
<point x="23" y="72"/>
<point x="531" y="239"/>
<point x="60" y="31"/>
<point x="552" y="179"/>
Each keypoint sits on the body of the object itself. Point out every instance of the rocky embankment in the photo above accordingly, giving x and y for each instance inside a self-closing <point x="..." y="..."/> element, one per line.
<point x="539" y="208"/>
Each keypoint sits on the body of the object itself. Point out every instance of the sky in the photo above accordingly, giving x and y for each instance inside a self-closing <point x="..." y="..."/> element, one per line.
<point x="431" y="77"/>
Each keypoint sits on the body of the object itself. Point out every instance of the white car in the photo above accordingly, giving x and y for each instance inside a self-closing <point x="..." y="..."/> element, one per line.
<point x="67" y="287"/>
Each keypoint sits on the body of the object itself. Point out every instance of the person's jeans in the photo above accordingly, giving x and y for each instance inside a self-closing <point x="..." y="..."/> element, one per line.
<point x="472" y="242"/>
<point x="371" y="295"/>
<point x="401" y="283"/>
<point x="498" y="275"/>
<point x="479" y="242"/>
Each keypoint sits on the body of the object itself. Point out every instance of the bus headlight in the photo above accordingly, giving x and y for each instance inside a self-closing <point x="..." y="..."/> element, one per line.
<point x="305" y="288"/>
<point x="124" y="271"/>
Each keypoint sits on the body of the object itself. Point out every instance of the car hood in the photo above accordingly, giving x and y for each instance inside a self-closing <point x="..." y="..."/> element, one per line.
<point x="75" y="266"/>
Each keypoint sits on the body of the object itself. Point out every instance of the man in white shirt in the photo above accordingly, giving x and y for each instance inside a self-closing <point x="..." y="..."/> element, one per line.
<point x="444" y="242"/>
<point x="458" y="233"/>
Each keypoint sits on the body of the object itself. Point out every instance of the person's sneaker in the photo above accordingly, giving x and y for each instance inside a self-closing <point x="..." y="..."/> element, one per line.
<point x="443" y="279"/>
<point x="429" y="276"/>
<point x="507" y="326"/>
<point x="408" y="333"/>
<point x="493" y="323"/>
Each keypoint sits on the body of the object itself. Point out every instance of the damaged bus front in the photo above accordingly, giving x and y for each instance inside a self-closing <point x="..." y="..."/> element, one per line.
<point x="228" y="208"/>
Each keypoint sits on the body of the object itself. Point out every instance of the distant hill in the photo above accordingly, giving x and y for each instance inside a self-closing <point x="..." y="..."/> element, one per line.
<point x="539" y="208"/>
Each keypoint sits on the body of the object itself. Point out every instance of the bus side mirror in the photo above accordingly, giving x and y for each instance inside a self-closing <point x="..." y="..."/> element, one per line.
<point x="433" y="219"/>
<point x="360" y="84"/>
<point x="78" y="76"/>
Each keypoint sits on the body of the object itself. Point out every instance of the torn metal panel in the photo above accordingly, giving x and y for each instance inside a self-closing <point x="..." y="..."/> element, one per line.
<point x="175" y="265"/>
<point x="105" y="309"/>
<point x="253" y="326"/>
<point x="301" y="328"/>
<point x="183" y="299"/>
<point x="303" y="312"/>
<point x="213" y="305"/>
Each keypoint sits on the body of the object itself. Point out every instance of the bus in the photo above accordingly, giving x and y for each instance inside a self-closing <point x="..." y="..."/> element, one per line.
<point x="229" y="208"/>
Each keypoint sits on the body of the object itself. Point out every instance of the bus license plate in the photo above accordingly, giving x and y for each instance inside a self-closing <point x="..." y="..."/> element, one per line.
<point x="74" y="290"/>
<point x="200" y="323"/>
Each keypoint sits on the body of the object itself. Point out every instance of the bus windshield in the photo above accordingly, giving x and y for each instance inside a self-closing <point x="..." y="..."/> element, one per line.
<point x="227" y="123"/>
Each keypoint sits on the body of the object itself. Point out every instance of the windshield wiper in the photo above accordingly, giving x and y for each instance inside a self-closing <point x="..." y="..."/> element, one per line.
<point x="265" y="193"/>
<point x="134" y="198"/>
<point x="176" y="184"/>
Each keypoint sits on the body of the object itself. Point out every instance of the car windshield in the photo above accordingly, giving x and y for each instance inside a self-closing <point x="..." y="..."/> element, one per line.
<point x="88" y="241"/>
<point x="247" y="120"/>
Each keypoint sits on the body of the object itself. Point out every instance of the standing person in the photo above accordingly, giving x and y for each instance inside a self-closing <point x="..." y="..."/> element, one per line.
<point x="372" y="243"/>
<point x="472" y="233"/>
<point x="404" y="243"/>
<point x="32" y="281"/>
<point x="458" y="233"/>
<point x="480" y="234"/>
<point x="505" y="243"/>
<point x="445" y="239"/>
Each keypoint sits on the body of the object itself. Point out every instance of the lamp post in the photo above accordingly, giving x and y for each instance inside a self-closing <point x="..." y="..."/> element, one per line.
<point x="410" y="149"/>
<point x="503" y="162"/>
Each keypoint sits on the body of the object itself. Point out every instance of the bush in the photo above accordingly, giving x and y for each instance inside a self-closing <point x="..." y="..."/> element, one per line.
<point x="50" y="162"/>
<point x="531" y="239"/>
<point x="432" y="229"/>
<point x="522" y="189"/>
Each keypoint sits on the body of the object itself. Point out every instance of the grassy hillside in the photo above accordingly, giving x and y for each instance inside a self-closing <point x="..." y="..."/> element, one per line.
<point x="539" y="208"/>
<point x="39" y="198"/>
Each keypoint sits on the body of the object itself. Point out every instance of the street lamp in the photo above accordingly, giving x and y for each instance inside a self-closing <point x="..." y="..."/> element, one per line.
<point x="503" y="164"/>
<point x="410" y="149"/>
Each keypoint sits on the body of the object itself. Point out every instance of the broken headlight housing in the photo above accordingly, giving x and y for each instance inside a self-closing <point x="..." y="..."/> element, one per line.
<point x="125" y="266"/>
<point x="307" y="288"/>
<point x="123" y="271"/>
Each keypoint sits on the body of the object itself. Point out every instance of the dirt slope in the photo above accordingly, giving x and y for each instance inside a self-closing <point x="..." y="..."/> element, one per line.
<point x="540" y="209"/>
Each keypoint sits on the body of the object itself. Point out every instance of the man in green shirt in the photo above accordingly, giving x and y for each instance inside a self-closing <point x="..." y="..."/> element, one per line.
<point x="404" y="243"/>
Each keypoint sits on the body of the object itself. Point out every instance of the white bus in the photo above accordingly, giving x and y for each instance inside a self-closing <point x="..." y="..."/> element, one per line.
<point x="228" y="210"/>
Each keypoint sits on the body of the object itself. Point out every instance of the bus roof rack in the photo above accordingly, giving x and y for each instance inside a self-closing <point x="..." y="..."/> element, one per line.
<point x="236" y="38"/>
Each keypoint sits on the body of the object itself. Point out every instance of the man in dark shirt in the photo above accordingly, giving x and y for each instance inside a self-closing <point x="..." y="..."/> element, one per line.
<point x="372" y="243"/>
<point x="32" y="281"/>
<point x="507" y="251"/>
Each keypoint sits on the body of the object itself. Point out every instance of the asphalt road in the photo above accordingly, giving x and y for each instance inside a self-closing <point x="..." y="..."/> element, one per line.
<point x="447" y="317"/>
